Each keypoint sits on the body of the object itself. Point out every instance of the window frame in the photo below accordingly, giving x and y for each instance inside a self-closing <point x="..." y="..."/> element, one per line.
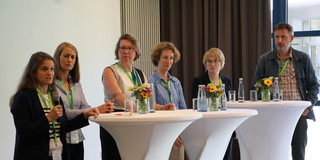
<point x="280" y="14"/>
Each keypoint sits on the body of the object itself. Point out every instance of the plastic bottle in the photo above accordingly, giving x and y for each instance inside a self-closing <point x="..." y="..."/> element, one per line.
<point x="241" y="91"/>
<point x="202" y="99"/>
<point x="276" y="90"/>
<point x="152" y="101"/>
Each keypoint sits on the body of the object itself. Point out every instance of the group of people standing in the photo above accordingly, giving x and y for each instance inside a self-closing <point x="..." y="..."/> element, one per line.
<point x="50" y="129"/>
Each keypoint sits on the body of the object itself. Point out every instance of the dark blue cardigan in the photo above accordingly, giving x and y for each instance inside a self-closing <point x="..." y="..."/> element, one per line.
<point x="32" y="126"/>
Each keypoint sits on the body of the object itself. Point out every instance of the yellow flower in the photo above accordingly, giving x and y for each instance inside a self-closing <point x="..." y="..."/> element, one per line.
<point x="212" y="89"/>
<point x="267" y="82"/>
<point x="144" y="94"/>
<point x="145" y="85"/>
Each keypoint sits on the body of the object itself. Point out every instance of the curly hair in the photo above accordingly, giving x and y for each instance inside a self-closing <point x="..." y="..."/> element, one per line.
<point x="157" y="51"/>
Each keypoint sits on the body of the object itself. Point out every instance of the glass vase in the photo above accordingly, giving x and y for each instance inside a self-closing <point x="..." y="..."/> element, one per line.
<point x="142" y="106"/>
<point x="213" y="104"/>
<point x="265" y="96"/>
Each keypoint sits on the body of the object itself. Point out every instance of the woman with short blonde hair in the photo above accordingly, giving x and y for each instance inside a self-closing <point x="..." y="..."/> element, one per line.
<point x="214" y="61"/>
<point x="215" y="53"/>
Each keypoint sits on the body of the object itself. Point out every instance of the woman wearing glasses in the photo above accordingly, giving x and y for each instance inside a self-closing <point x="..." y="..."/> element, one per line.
<point x="214" y="61"/>
<point x="116" y="80"/>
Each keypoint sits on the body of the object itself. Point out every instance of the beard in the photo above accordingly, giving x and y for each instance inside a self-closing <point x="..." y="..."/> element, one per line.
<point x="282" y="49"/>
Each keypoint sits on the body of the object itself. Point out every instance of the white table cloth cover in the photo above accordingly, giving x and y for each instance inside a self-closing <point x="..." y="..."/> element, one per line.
<point x="268" y="135"/>
<point x="208" y="137"/>
<point x="146" y="136"/>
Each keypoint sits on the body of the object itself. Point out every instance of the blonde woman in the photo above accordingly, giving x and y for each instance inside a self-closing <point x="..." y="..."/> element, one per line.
<point x="214" y="61"/>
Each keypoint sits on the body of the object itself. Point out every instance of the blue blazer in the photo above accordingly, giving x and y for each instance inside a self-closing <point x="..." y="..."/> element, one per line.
<point x="32" y="126"/>
<point x="204" y="79"/>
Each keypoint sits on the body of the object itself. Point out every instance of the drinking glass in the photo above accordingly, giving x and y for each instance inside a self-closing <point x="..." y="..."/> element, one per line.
<point x="194" y="103"/>
<point x="281" y="95"/>
<point x="232" y="95"/>
<point x="128" y="105"/>
<point x="253" y="96"/>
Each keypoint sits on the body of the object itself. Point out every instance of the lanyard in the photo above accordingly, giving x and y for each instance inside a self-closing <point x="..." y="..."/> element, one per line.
<point x="285" y="65"/>
<point x="51" y="106"/>
<point x="168" y="88"/>
<point x="280" y="72"/>
<point x="214" y="83"/>
<point x="72" y="93"/>
<point x="134" y="75"/>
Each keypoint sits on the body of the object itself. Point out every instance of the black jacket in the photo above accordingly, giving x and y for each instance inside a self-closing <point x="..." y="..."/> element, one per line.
<point x="204" y="79"/>
<point x="32" y="126"/>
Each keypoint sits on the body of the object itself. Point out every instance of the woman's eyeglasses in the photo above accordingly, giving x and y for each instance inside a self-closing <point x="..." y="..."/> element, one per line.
<point x="130" y="49"/>
<point x="213" y="61"/>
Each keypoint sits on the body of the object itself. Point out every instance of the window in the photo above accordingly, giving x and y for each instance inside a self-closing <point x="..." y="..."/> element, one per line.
<point x="305" y="19"/>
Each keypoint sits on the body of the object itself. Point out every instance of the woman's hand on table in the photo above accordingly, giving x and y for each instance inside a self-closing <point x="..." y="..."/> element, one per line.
<point x="169" y="106"/>
<point x="91" y="112"/>
<point x="107" y="107"/>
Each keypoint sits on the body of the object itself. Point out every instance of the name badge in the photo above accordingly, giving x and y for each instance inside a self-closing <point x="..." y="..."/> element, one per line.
<point x="74" y="137"/>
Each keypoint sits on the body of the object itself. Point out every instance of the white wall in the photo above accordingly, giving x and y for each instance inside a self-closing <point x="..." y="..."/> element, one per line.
<point x="28" y="26"/>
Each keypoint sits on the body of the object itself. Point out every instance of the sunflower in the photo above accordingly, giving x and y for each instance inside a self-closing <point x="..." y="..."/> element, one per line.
<point x="213" y="88"/>
<point x="267" y="82"/>
<point x="144" y="94"/>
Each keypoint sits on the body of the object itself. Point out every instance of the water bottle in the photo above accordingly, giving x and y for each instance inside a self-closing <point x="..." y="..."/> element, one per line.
<point x="202" y="99"/>
<point x="223" y="99"/>
<point x="276" y="92"/>
<point x="241" y="91"/>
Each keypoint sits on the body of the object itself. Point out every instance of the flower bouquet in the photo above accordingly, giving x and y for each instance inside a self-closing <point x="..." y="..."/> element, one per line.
<point x="265" y="86"/>
<point x="213" y="94"/>
<point x="142" y="93"/>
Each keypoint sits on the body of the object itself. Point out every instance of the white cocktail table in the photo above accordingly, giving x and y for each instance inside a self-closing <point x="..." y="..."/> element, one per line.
<point x="208" y="137"/>
<point x="146" y="136"/>
<point x="268" y="135"/>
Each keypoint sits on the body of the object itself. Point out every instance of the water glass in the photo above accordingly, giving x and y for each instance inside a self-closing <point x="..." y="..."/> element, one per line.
<point x="128" y="105"/>
<point x="194" y="103"/>
<point x="253" y="96"/>
<point x="152" y="101"/>
<point x="232" y="95"/>
<point x="281" y="95"/>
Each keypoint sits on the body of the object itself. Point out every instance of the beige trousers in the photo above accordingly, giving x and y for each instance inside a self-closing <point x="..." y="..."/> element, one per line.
<point x="177" y="153"/>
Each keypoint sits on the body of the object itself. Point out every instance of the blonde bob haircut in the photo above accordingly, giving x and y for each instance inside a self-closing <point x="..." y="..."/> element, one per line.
<point x="216" y="53"/>
<point x="157" y="51"/>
